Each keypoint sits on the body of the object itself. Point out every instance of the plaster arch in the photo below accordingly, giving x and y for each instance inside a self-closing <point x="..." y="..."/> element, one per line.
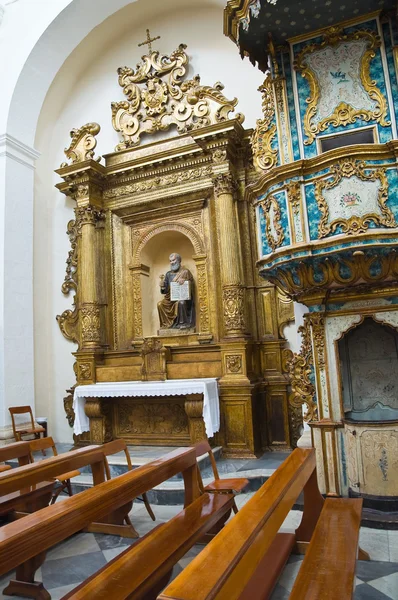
<point x="184" y="228"/>
<point x="39" y="60"/>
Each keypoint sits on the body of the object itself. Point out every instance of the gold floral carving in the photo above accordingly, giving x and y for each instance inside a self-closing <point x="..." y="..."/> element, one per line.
<point x="137" y="304"/>
<point x="85" y="371"/>
<point x="285" y="311"/>
<point x="299" y="368"/>
<point x="264" y="155"/>
<point x="356" y="223"/>
<point x="153" y="355"/>
<point x="160" y="103"/>
<point x="203" y="300"/>
<point x="273" y="229"/>
<point x="233" y="363"/>
<point x="166" y="418"/>
<point x="83" y="143"/>
<point x="343" y="113"/>
<point x="358" y="269"/>
<point x="90" y="323"/>
<point x="318" y="335"/>
<point x="234" y="308"/>
<point x="162" y="181"/>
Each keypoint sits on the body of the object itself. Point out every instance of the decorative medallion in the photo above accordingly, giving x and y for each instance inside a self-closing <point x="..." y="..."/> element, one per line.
<point x="353" y="198"/>
<point x="341" y="87"/>
<point x="273" y="228"/>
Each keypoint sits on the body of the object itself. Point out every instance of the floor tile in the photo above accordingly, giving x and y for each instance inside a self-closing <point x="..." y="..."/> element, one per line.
<point x="289" y="575"/>
<point x="65" y="571"/>
<point x="80" y="543"/>
<point x="387" y="585"/>
<point x="375" y="541"/>
<point x="109" y="542"/>
<point x="367" y="570"/>
<point x="60" y="592"/>
<point x="367" y="592"/>
<point x="280" y="593"/>
<point x="112" y="552"/>
<point x="393" y="545"/>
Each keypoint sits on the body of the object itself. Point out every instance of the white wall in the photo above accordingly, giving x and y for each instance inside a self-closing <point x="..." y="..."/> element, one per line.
<point x="82" y="92"/>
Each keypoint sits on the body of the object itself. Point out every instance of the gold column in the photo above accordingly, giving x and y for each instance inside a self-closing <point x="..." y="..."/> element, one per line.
<point x="231" y="272"/>
<point x="87" y="217"/>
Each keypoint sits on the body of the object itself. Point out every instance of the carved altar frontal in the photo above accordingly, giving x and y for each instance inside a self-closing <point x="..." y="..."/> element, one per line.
<point x="152" y="198"/>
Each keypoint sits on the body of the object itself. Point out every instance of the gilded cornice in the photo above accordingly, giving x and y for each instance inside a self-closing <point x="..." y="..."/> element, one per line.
<point x="233" y="13"/>
<point x="299" y="168"/>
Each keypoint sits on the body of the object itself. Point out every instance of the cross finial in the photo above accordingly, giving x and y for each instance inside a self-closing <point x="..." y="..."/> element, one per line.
<point x="149" y="41"/>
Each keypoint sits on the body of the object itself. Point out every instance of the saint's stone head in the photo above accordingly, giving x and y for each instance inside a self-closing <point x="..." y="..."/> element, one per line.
<point x="175" y="261"/>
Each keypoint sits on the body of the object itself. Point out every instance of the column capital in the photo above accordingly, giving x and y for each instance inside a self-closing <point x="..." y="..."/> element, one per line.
<point x="224" y="183"/>
<point x="88" y="215"/>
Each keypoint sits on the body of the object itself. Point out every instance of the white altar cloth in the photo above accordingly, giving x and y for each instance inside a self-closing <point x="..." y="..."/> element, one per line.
<point x="171" y="387"/>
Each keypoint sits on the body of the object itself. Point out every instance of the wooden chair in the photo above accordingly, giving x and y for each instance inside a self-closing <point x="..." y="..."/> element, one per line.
<point x="64" y="479"/>
<point x="218" y="486"/>
<point x="34" y="430"/>
<point x="121" y="446"/>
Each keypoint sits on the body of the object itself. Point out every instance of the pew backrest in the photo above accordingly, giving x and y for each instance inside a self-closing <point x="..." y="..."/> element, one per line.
<point x="236" y="551"/>
<point x="48" y="468"/>
<point x="26" y="538"/>
<point x="19" y="450"/>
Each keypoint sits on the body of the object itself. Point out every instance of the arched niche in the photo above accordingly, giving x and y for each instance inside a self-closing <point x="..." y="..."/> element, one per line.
<point x="154" y="258"/>
<point x="368" y="356"/>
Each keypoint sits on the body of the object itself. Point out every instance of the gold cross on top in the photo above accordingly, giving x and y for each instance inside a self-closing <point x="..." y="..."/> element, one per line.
<point x="149" y="41"/>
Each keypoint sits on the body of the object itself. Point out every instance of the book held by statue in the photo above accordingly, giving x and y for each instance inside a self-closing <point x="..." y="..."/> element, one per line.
<point x="180" y="291"/>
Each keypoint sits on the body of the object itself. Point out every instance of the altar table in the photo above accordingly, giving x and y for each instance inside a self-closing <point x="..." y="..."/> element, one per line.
<point x="208" y="388"/>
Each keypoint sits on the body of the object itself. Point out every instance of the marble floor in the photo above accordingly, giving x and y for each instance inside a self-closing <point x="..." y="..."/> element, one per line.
<point x="76" y="558"/>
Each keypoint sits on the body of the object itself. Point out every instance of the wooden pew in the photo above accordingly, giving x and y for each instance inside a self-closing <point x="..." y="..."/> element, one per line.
<point x="245" y="559"/>
<point x="29" y="498"/>
<point x="141" y="571"/>
<point x="24" y="542"/>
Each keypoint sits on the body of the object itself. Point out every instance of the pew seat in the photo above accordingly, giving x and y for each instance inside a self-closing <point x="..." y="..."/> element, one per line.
<point x="244" y="561"/>
<point x="144" y="569"/>
<point x="328" y="568"/>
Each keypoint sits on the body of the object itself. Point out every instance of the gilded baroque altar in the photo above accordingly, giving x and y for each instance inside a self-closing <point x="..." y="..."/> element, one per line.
<point x="183" y="194"/>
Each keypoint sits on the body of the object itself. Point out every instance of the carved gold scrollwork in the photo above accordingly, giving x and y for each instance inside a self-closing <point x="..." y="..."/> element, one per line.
<point x="272" y="213"/>
<point x="358" y="268"/>
<point x="298" y="367"/>
<point x="344" y="113"/>
<point x="185" y="104"/>
<point x="356" y="223"/>
<point x="69" y="319"/>
<point x="234" y="308"/>
<point x="137" y="303"/>
<point x="264" y="156"/>
<point x="83" y="143"/>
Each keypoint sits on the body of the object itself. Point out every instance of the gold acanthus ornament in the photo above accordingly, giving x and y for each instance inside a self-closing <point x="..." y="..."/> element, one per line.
<point x="185" y="104"/>
<point x="299" y="367"/>
<point x="344" y="113"/>
<point x="83" y="143"/>
<point x="264" y="155"/>
<point x="234" y="308"/>
<point x="357" y="223"/>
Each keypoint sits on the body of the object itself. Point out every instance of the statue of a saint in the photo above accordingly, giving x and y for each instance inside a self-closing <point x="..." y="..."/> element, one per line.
<point x="176" y="314"/>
